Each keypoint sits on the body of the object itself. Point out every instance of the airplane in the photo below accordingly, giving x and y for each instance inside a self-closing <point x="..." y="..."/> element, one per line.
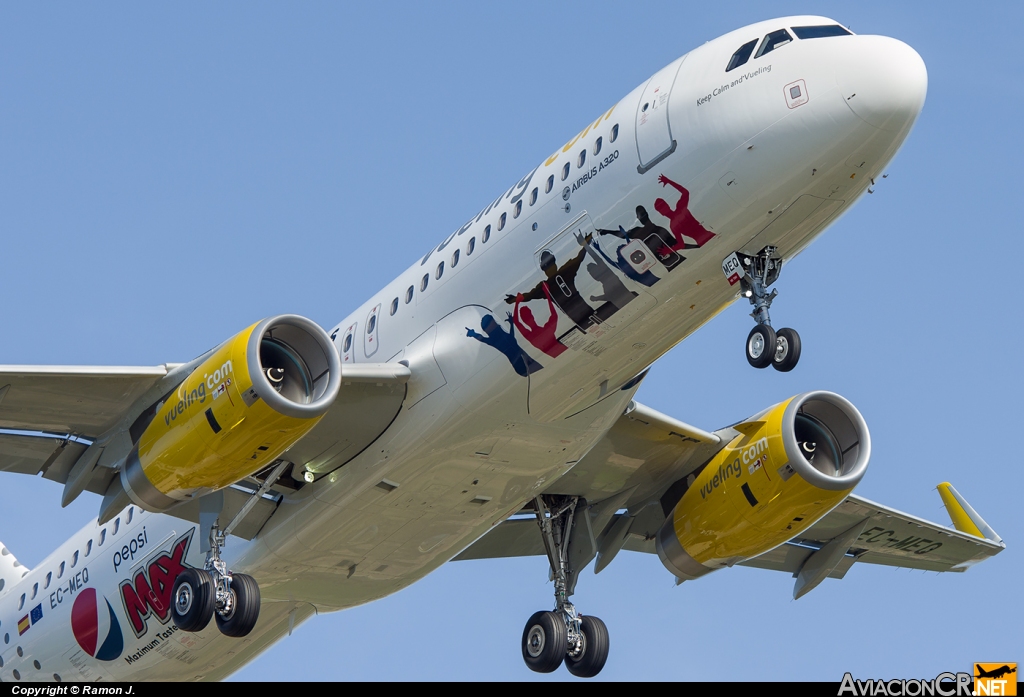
<point x="291" y="470"/>
<point x="999" y="672"/>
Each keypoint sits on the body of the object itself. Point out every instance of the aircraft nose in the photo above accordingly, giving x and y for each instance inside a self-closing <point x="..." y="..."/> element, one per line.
<point x="883" y="80"/>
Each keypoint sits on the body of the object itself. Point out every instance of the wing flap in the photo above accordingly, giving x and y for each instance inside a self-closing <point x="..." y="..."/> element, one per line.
<point x="27" y="454"/>
<point x="516" y="537"/>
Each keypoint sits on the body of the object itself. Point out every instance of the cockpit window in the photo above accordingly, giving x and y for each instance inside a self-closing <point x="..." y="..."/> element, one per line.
<point x="741" y="56"/>
<point x="820" y="31"/>
<point x="773" y="41"/>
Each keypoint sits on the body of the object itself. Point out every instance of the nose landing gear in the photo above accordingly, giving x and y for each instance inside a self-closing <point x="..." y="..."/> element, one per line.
<point x="563" y="635"/>
<point x="765" y="346"/>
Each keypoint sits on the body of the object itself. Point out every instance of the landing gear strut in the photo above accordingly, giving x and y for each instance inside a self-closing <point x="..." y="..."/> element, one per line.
<point x="765" y="346"/>
<point x="214" y="592"/>
<point x="551" y="637"/>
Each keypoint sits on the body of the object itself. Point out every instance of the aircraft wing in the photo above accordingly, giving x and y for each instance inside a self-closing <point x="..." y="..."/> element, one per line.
<point x="646" y="454"/>
<point x="642" y="454"/>
<point x="50" y="415"/>
<point x="81" y="400"/>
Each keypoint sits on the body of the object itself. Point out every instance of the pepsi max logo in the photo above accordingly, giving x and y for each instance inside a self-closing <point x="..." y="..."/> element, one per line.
<point x="148" y="593"/>
<point x="96" y="627"/>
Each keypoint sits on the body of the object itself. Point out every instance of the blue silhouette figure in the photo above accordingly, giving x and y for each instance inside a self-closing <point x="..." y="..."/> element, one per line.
<point x="506" y="343"/>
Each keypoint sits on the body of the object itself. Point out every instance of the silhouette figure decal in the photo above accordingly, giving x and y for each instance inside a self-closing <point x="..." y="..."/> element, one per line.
<point x="611" y="259"/>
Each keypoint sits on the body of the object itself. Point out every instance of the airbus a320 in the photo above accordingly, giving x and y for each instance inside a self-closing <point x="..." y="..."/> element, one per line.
<point x="293" y="470"/>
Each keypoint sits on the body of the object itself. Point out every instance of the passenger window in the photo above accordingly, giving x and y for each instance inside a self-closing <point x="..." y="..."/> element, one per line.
<point x="455" y="258"/>
<point x="35" y="590"/>
<point x="117" y="524"/>
<point x="131" y="512"/>
<point x="74" y="559"/>
<point x="565" y="172"/>
<point x="394" y="307"/>
<point x="550" y="184"/>
<point x="470" y="246"/>
<point x="581" y="159"/>
<point x="103" y="536"/>
<point x="22" y="603"/>
<point x="49" y="577"/>
<point x="597" y="146"/>
<point x="741" y="56"/>
<point x="347" y="345"/>
<point x="615" y="134"/>
<point x="533" y="196"/>
<point x="372" y="324"/>
<point x="518" y="209"/>
<point x="424" y="281"/>
<point x="88" y="548"/>
<point x="408" y="295"/>
<point x="821" y="31"/>
<point x="486" y="235"/>
<point x="773" y="41"/>
<point x="439" y="271"/>
<point x="501" y="221"/>
<point x="60" y="571"/>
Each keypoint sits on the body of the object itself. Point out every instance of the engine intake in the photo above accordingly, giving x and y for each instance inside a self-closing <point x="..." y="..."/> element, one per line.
<point x="826" y="440"/>
<point x="787" y="467"/>
<point x="250" y="400"/>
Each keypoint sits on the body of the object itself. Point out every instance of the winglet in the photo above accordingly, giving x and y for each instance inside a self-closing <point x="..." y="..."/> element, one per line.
<point x="965" y="519"/>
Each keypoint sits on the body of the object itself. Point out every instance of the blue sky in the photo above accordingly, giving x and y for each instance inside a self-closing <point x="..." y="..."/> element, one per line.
<point x="155" y="159"/>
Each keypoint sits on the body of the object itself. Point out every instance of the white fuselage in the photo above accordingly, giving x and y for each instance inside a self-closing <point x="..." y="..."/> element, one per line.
<point x="501" y="405"/>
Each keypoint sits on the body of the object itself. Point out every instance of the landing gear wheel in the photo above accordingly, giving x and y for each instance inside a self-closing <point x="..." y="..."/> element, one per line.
<point x="760" y="346"/>
<point x="591" y="658"/>
<point x="787" y="350"/>
<point x="192" y="600"/>
<point x="245" y="607"/>
<point x="545" y="641"/>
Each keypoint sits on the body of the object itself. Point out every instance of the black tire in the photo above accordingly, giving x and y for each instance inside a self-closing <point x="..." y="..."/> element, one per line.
<point x="760" y="346"/>
<point x="787" y="350"/>
<point x="245" y="608"/>
<point x="192" y="600"/>
<point x="591" y="660"/>
<point x="545" y="641"/>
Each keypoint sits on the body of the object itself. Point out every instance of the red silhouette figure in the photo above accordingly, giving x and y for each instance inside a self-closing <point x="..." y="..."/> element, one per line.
<point x="681" y="220"/>
<point x="541" y="337"/>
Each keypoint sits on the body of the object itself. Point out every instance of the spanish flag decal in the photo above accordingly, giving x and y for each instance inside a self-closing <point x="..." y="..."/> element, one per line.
<point x="23" y="625"/>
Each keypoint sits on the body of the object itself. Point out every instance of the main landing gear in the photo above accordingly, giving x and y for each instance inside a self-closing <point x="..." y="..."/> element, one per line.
<point x="214" y="592"/>
<point x="563" y="635"/>
<point x="765" y="346"/>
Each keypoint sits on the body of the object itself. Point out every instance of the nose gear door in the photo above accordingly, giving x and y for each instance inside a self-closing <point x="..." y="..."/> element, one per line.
<point x="654" y="141"/>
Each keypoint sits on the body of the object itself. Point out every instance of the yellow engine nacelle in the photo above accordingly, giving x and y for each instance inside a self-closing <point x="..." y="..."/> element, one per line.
<point x="790" y="465"/>
<point x="242" y="407"/>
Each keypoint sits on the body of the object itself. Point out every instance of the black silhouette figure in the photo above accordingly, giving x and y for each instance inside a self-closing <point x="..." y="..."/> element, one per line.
<point x="561" y="284"/>
<point x="660" y="241"/>
<point x="615" y="291"/>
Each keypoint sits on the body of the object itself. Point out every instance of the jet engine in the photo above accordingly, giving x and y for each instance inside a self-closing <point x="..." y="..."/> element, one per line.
<point x="789" y="466"/>
<point x="253" y="397"/>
